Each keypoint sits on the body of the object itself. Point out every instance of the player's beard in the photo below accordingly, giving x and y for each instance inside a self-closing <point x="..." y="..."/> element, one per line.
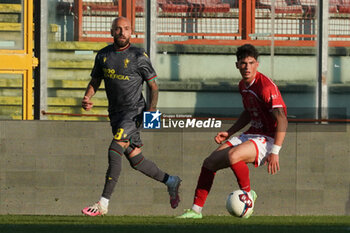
<point x="121" y="44"/>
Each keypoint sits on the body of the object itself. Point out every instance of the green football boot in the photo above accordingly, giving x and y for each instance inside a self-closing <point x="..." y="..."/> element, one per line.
<point x="254" y="196"/>
<point x="190" y="214"/>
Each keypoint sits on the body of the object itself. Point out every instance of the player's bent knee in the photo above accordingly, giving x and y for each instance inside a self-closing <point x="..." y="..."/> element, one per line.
<point x="235" y="157"/>
<point x="115" y="149"/>
<point x="208" y="163"/>
<point x="217" y="160"/>
<point x="213" y="164"/>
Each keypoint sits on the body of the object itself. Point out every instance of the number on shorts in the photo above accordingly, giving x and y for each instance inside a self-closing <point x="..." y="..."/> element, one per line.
<point x="119" y="134"/>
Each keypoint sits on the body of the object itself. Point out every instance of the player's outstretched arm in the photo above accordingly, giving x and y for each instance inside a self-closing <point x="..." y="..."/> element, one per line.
<point x="91" y="89"/>
<point x="153" y="87"/>
<point x="241" y="122"/>
<point x="282" y="123"/>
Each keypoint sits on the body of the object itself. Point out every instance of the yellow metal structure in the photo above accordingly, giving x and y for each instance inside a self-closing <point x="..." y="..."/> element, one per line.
<point x="23" y="61"/>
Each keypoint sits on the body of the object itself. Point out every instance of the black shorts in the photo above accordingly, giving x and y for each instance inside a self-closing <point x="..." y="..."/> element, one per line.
<point x="126" y="126"/>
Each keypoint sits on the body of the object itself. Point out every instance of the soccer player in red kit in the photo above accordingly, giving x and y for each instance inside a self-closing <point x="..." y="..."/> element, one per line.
<point x="266" y="112"/>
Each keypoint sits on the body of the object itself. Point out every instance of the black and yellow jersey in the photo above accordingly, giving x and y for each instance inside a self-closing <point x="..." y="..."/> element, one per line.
<point x="123" y="72"/>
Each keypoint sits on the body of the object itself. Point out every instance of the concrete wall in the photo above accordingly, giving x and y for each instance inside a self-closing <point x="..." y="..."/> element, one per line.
<point x="57" y="168"/>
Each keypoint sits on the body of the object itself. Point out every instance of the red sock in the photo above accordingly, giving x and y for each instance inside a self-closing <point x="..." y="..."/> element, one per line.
<point x="241" y="171"/>
<point x="205" y="181"/>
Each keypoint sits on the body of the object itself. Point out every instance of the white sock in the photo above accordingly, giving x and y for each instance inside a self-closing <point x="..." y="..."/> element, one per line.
<point x="197" y="209"/>
<point x="104" y="202"/>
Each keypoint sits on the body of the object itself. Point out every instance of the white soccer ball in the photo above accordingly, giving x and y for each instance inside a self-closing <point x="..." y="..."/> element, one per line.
<point x="239" y="203"/>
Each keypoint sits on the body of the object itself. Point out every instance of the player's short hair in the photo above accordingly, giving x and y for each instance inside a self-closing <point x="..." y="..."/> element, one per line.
<point x="247" y="50"/>
<point x="115" y="20"/>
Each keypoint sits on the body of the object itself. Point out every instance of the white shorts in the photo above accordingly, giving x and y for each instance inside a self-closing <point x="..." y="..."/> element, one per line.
<point x="263" y="145"/>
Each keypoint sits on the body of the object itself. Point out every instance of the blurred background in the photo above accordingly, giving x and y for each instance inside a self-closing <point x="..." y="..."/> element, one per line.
<point x="304" y="46"/>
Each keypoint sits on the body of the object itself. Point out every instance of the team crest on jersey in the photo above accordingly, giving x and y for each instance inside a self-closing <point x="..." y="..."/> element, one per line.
<point x="126" y="62"/>
<point x="104" y="59"/>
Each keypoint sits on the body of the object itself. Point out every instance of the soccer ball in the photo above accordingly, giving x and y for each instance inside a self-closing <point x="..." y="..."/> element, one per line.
<point x="240" y="203"/>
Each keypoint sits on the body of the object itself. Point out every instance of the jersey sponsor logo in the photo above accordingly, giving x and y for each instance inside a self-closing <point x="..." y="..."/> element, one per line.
<point x="256" y="124"/>
<point x="126" y="62"/>
<point x="110" y="73"/>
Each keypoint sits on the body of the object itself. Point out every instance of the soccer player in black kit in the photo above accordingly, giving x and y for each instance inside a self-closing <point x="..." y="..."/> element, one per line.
<point x="124" y="68"/>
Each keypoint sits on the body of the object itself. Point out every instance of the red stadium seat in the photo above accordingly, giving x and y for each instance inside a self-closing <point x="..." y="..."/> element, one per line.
<point x="216" y="6"/>
<point x="175" y="6"/>
<point x="281" y="6"/>
<point x="169" y="7"/>
<point x="208" y="6"/>
<point x="263" y="4"/>
<point x="166" y="5"/>
<point x="232" y="3"/>
<point x="93" y="7"/>
<point x="344" y="6"/>
<point x="309" y="6"/>
<point x="196" y="5"/>
<point x="140" y="6"/>
<point x="161" y="2"/>
<point x="333" y="6"/>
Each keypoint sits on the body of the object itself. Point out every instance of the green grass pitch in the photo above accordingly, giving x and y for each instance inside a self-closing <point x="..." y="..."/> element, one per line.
<point x="167" y="224"/>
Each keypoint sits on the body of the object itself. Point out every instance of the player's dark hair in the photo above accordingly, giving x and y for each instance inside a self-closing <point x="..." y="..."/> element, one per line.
<point x="247" y="50"/>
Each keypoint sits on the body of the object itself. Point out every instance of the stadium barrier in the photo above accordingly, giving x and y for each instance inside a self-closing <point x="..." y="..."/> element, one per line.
<point x="58" y="167"/>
